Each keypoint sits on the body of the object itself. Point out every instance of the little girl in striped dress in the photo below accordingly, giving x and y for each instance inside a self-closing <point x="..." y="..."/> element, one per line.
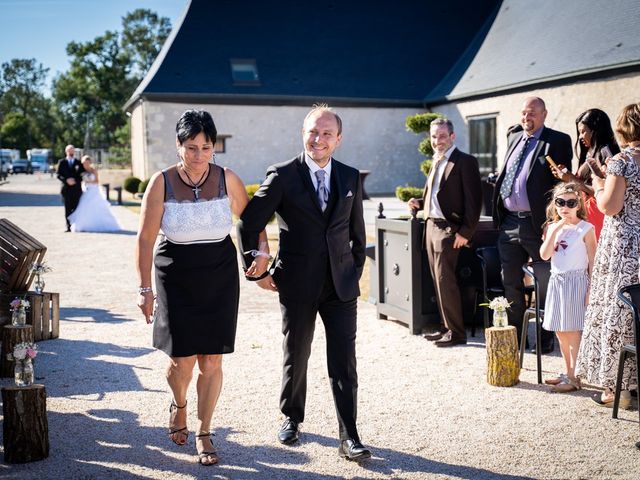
<point x="570" y="242"/>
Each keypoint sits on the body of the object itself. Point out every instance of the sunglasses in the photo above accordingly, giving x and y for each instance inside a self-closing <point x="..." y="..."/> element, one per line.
<point x="571" y="203"/>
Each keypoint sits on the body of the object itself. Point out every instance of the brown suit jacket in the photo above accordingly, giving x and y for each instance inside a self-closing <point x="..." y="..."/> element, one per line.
<point x="460" y="193"/>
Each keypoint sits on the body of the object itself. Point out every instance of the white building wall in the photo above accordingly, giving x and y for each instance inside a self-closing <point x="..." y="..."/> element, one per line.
<point x="564" y="104"/>
<point x="374" y="139"/>
<point x="138" y="164"/>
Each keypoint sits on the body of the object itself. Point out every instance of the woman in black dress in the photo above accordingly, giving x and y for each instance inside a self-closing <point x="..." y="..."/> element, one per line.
<point x="196" y="272"/>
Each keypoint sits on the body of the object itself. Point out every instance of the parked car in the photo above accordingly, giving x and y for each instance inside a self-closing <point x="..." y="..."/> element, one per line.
<point x="21" y="165"/>
<point x="7" y="156"/>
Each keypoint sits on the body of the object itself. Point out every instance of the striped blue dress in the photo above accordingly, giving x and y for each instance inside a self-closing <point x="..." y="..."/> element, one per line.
<point x="565" y="306"/>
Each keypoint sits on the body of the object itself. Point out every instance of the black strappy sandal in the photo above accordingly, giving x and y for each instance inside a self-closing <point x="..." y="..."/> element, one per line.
<point x="211" y="455"/>
<point x="182" y="431"/>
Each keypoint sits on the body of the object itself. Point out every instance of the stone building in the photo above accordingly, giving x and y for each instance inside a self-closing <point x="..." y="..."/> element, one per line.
<point x="574" y="54"/>
<point x="259" y="66"/>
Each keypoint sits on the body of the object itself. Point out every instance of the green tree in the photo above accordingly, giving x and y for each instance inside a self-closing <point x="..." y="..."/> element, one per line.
<point x="143" y="35"/>
<point x="103" y="74"/>
<point x="21" y="84"/>
<point x="15" y="131"/>
<point x="22" y="102"/>
<point x="121" y="150"/>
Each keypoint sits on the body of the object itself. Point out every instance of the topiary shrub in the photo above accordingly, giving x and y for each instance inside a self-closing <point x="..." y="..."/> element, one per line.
<point x="425" y="166"/>
<point x="420" y="123"/>
<point x="143" y="185"/>
<point x="131" y="184"/>
<point x="405" y="194"/>
<point x="251" y="189"/>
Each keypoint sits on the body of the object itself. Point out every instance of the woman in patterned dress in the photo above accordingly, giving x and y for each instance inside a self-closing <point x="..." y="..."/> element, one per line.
<point x="608" y="323"/>
<point x="196" y="272"/>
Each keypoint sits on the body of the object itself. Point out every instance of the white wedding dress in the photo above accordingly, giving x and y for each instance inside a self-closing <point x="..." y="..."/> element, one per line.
<point x="94" y="211"/>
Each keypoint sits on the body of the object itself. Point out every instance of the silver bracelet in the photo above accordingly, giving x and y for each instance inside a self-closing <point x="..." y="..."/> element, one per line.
<point x="143" y="290"/>
<point x="256" y="253"/>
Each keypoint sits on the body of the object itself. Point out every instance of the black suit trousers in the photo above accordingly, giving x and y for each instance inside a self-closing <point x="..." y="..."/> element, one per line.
<point x="71" y="197"/>
<point x="517" y="241"/>
<point x="340" y="323"/>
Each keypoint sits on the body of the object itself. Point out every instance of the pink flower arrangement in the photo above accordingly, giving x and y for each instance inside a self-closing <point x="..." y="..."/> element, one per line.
<point x="25" y="350"/>
<point x="17" y="303"/>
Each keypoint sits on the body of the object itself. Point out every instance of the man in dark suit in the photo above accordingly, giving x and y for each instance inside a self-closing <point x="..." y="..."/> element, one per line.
<point x="318" y="203"/>
<point x="452" y="201"/>
<point x="522" y="192"/>
<point x="69" y="172"/>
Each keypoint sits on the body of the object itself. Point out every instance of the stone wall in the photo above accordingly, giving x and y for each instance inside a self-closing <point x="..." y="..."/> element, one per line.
<point x="564" y="104"/>
<point x="374" y="139"/>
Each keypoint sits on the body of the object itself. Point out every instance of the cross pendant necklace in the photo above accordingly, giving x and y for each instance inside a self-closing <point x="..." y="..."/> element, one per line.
<point x="196" y="185"/>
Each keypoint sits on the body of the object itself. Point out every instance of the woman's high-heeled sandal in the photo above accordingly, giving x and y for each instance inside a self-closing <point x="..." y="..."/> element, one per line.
<point x="210" y="455"/>
<point x="183" y="431"/>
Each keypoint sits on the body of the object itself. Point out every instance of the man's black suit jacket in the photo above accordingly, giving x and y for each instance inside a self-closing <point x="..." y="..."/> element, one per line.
<point x="460" y="193"/>
<point x="540" y="180"/>
<point x="310" y="240"/>
<point x="64" y="171"/>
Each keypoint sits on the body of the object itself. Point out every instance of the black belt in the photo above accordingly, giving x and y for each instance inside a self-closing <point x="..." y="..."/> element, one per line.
<point x="519" y="214"/>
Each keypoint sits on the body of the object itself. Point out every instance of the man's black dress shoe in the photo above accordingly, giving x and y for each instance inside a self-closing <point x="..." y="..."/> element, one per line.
<point x="432" y="337"/>
<point x="353" y="450"/>
<point x="448" y="340"/>
<point x="289" y="431"/>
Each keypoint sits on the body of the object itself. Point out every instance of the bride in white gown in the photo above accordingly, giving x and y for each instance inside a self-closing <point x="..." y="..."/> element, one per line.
<point x="94" y="211"/>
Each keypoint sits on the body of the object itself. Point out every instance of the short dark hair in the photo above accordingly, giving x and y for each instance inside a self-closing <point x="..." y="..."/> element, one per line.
<point x="192" y="122"/>
<point x="442" y="121"/>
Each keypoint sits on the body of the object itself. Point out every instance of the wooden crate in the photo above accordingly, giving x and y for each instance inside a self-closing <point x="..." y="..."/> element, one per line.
<point x="43" y="313"/>
<point x="18" y="251"/>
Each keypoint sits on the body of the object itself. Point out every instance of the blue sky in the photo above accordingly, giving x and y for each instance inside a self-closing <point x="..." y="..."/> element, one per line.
<point x="41" y="29"/>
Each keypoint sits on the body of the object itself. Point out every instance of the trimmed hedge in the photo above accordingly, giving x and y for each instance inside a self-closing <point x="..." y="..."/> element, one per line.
<point x="251" y="189"/>
<point x="131" y="184"/>
<point x="406" y="193"/>
<point x="143" y="185"/>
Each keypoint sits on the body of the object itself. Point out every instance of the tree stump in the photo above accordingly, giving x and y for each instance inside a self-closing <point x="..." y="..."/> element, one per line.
<point x="26" y="430"/>
<point x="11" y="336"/>
<point x="503" y="367"/>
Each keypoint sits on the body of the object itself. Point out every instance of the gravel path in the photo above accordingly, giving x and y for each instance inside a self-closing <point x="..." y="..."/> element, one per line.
<point x="425" y="412"/>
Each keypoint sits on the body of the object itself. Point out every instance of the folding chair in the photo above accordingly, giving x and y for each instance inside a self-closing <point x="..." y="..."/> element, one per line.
<point x="540" y="272"/>
<point x="491" y="277"/>
<point x="627" y="350"/>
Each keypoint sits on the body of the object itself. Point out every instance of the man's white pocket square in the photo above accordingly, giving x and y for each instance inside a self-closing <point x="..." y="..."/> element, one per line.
<point x="349" y="194"/>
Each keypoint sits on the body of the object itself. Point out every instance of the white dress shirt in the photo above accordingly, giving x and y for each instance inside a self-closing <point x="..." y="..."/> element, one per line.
<point x="313" y="168"/>
<point x="434" y="206"/>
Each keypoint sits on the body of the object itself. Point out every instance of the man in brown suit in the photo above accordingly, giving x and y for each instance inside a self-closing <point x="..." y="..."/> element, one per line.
<point x="452" y="201"/>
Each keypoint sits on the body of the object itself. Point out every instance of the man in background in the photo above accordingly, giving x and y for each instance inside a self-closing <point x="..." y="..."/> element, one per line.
<point x="69" y="173"/>
<point x="452" y="201"/>
<point x="521" y="195"/>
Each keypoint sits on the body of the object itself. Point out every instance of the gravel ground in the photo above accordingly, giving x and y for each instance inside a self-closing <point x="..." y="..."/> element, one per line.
<point x="425" y="412"/>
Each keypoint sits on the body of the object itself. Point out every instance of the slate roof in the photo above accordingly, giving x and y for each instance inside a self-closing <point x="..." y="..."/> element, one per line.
<point x="360" y="52"/>
<point x="532" y="43"/>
